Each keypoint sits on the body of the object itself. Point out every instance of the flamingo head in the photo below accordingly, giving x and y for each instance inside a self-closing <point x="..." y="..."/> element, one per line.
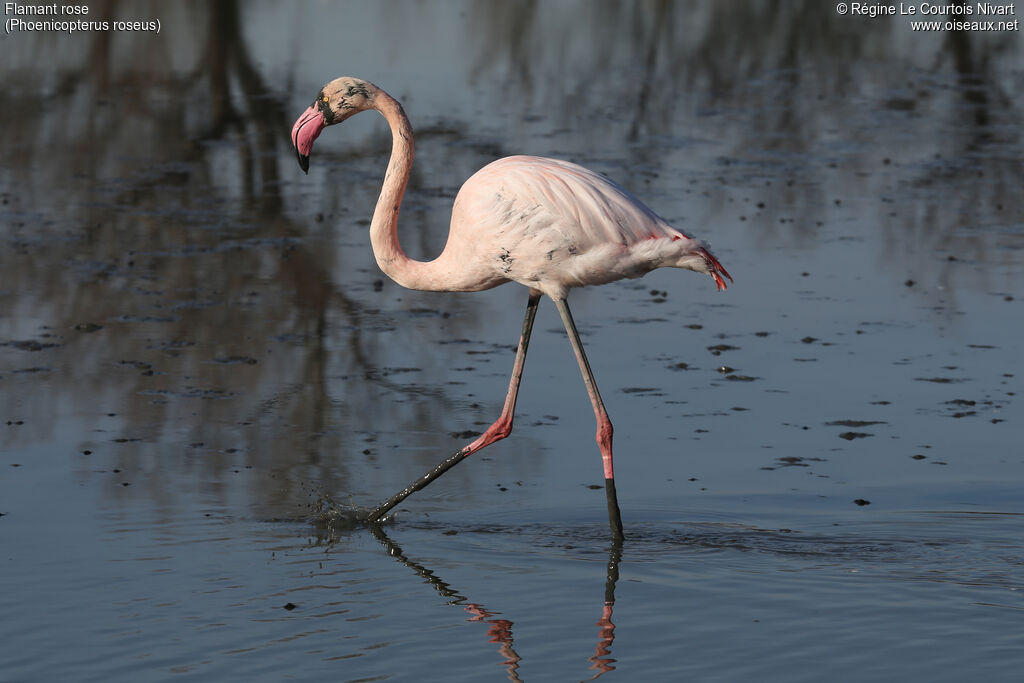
<point x="336" y="101"/>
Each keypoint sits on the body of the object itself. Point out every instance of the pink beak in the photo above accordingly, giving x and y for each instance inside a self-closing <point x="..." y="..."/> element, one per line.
<point x="306" y="129"/>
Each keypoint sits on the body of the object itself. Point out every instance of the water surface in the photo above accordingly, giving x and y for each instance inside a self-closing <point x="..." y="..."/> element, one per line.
<point x="819" y="469"/>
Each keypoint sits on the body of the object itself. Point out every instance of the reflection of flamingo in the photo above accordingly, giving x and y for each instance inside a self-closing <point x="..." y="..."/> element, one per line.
<point x="602" y="662"/>
<point x="547" y="224"/>
<point x="500" y="630"/>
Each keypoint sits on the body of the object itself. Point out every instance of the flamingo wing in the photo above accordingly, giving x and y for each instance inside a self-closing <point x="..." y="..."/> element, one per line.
<point x="553" y="225"/>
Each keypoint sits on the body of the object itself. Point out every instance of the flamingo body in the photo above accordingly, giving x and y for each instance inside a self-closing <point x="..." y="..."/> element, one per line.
<point x="547" y="224"/>
<point x="552" y="225"/>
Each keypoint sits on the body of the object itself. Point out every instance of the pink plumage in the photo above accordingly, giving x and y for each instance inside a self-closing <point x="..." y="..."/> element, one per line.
<point x="553" y="225"/>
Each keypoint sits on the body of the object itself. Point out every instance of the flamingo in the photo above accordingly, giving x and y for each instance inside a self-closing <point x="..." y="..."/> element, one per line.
<point x="547" y="224"/>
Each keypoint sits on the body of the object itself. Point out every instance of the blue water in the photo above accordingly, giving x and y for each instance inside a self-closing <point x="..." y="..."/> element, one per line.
<point x="819" y="470"/>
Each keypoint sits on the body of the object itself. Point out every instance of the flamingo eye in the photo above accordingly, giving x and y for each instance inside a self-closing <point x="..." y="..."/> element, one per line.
<point x="325" y="99"/>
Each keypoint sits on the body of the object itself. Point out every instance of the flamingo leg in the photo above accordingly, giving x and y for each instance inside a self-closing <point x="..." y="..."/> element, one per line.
<point x="501" y="428"/>
<point x="604" y="425"/>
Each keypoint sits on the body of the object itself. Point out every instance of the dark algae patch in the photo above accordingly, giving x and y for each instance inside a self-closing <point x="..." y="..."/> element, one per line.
<point x="854" y="423"/>
<point x="850" y="436"/>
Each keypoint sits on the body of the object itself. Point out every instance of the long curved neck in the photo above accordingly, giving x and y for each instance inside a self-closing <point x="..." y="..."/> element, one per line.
<point x="391" y="258"/>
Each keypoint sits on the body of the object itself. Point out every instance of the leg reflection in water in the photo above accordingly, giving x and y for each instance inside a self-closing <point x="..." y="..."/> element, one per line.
<point x="601" y="662"/>
<point x="499" y="630"/>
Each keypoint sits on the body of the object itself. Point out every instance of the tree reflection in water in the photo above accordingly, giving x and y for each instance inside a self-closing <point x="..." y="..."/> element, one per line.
<point x="171" y="223"/>
<point x="186" y="310"/>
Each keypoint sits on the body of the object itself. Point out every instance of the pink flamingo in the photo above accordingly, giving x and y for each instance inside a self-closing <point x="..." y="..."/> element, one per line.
<point x="547" y="224"/>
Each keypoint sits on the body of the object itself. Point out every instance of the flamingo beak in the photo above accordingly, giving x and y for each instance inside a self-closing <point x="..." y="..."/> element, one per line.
<point x="306" y="129"/>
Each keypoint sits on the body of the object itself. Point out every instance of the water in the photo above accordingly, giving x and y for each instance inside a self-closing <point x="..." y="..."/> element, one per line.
<point x="197" y="351"/>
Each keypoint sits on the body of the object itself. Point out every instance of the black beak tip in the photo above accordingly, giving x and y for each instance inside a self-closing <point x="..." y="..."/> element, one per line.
<point x="303" y="162"/>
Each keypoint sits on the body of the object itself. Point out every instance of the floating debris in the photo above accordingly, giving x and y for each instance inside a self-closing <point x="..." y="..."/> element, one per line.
<point x="717" y="349"/>
<point x="235" y="360"/>
<point x="29" y="345"/>
<point x="850" y="436"/>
